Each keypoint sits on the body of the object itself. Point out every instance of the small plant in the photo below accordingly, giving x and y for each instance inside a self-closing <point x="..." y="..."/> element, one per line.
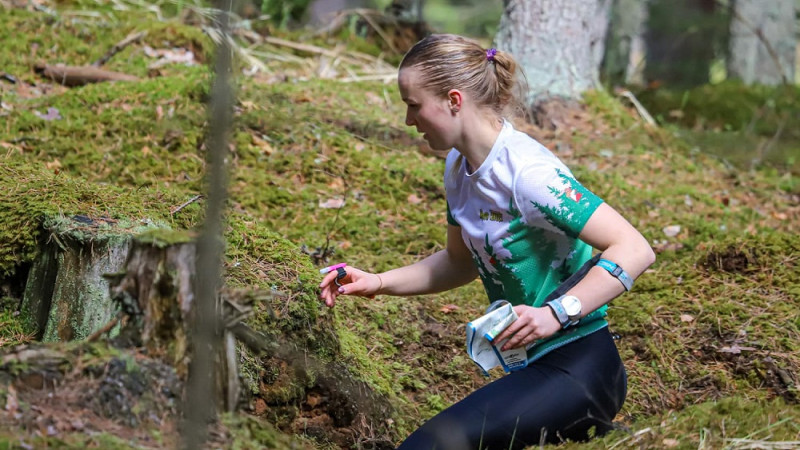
<point x="285" y="13"/>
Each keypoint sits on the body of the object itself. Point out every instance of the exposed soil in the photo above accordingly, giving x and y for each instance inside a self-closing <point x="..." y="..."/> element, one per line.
<point x="57" y="391"/>
<point x="731" y="259"/>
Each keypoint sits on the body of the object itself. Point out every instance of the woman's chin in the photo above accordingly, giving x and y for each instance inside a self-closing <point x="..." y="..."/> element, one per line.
<point x="437" y="146"/>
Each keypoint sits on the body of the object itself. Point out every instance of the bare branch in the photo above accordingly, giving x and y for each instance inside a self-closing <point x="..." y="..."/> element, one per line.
<point x="119" y="46"/>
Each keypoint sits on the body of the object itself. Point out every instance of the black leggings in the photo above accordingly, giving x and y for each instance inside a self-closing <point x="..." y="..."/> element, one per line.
<point x="560" y="396"/>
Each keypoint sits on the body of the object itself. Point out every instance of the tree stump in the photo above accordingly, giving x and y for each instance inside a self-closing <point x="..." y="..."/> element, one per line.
<point x="155" y="295"/>
<point x="66" y="297"/>
<point x="154" y="292"/>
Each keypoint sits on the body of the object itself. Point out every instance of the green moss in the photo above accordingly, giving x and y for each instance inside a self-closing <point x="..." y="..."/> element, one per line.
<point x="248" y="432"/>
<point x="746" y="125"/>
<point x="66" y="440"/>
<point x="729" y="422"/>
<point x="13" y="330"/>
<point x="165" y="237"/>
<point x="33" y="198"/>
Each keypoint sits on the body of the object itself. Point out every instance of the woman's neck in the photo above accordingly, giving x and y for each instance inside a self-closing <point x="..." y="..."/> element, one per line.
<point x="478" y="138"/>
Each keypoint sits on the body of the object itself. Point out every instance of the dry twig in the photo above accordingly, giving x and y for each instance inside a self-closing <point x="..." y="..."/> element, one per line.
<point x="119" y="46"/>
<point x="639" y="107"/>
<point x="177" y="209"/>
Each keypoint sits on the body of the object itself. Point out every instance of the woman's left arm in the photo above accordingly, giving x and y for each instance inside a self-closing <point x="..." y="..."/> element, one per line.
<point x="609" y="232"/>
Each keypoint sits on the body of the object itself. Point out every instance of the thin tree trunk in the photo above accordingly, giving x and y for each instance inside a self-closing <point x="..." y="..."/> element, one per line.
<point x="625" y="47"/>
<point x="207" y="335"/>
<point x="682" y="38"/>
<point x="763" y="41"/>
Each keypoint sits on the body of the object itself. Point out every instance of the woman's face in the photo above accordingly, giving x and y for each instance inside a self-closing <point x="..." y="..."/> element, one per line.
<point x="429" y="114"/>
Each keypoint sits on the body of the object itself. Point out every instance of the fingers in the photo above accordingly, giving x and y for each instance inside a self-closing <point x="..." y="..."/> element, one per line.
<point x="345" y="281"/>
<point x="531" y="324"/>
<point x="328" y="289"/>
<point x="509" y="331"/>
<point x="519" y="333"/>
<point x="524" y="336"/>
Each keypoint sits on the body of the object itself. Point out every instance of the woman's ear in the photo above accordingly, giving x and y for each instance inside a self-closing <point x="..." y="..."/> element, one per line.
<point x="455" y="100"/>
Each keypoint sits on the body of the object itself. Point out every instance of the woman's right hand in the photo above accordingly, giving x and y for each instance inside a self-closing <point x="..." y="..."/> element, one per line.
<point x="356" y="282"/>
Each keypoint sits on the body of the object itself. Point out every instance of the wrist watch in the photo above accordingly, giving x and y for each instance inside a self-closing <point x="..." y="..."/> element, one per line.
<point x="567" y="310"/>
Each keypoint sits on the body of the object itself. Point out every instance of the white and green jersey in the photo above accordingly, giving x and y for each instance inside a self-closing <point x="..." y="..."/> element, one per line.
<point x="520" y="215"/>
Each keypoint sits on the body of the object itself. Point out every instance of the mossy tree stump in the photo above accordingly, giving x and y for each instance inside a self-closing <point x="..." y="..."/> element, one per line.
<point x="66" y="296"/>
<point x="156" y="297"/>
<point x="154" y="292"/>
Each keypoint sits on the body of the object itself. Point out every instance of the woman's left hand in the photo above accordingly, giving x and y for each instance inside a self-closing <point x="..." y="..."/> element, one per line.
<point x="531" y="325"/>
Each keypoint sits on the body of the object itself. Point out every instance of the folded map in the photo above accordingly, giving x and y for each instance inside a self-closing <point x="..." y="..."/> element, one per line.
<point x="481" y="332"/>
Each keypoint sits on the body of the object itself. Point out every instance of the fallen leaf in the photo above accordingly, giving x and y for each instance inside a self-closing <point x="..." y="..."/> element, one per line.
<point x="447" y="309"/>
<point x="735" y="349"/>
<point x="672" y="230"/>
<point x="663" y="246"/>
<point x="168" y="56"/>
<point x="336" y="184"/>
<point x="670" y="443"/>
<point x="52" y="114"/>
<point x="248" y="105"/>
<point x="262" y="144"/>
<point x="334" y="203"/>
<point x="779" y="215"/>
<point x="10" y="147"/>
<point x="413" y="199"/>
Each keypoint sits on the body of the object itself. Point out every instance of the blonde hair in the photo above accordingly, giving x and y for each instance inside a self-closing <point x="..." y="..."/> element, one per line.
<point x="447" y="61"/>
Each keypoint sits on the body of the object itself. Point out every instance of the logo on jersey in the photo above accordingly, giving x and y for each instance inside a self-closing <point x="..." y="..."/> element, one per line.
<point x="573" y="194"/>
<point x="493" y="216"/>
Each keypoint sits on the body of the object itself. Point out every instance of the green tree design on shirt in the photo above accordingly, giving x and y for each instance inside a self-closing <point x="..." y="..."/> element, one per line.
<point x="576" y="204"/>
<point x="505" y="281"/>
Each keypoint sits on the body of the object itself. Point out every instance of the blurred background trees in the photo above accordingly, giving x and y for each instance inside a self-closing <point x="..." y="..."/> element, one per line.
<point x="569" y="46"/>
<point x="559" y="43"/>
<point x="763" y="41"/>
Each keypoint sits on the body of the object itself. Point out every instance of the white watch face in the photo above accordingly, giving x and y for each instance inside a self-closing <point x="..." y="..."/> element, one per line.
<point x="572" y="305"/>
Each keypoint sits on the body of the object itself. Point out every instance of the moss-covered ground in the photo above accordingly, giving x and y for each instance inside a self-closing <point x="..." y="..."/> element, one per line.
<point x="324" y="171"/>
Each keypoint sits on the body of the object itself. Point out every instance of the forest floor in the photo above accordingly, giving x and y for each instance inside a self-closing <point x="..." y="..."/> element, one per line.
<point x="322" y="170"/>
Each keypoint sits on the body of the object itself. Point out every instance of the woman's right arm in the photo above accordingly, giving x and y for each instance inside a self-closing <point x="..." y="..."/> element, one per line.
<point x="445" y="269"/>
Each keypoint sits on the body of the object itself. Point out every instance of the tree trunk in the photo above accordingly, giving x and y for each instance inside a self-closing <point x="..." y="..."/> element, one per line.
<point x="558" y="43"/>
<point x="763" y="41"/>
<point x="625" y="47"/>
<point x="682" y="38"/>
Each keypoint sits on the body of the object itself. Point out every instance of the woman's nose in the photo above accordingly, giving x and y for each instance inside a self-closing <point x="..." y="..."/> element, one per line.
<point x="409" y="119"/>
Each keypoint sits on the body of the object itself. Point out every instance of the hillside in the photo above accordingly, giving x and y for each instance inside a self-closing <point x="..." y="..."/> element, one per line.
<point x="323" y="170"/>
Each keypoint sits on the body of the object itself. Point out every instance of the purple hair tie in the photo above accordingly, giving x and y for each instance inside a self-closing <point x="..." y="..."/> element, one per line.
<point x="490" y="54"/>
